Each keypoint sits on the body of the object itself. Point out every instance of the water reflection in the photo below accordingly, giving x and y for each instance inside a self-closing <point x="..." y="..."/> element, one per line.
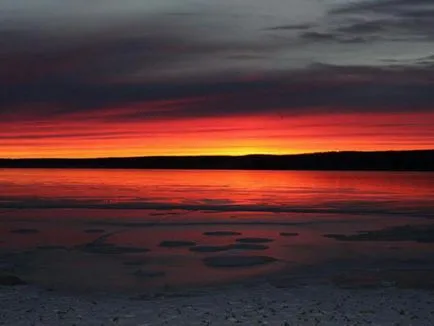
<point x="284" y="191"/>
<point x="62" y="230"/>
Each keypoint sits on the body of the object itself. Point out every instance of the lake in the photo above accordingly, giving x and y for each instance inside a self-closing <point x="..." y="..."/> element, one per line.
<point x="135" y="230"/>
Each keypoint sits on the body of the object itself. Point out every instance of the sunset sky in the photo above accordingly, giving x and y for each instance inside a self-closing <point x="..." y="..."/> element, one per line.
<point x="195" y="77"/>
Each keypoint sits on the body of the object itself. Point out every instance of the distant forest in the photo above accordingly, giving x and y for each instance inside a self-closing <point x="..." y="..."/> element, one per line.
<point x="418" y="160"/>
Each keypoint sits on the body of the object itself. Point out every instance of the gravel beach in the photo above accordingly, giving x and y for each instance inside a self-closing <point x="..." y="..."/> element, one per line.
<point x="261" y="304"/>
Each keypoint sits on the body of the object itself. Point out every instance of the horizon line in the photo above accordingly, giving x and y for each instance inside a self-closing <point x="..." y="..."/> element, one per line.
<point x="217" y="155"/>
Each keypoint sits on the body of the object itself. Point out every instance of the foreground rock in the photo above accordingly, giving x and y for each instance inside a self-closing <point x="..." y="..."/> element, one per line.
<point x="248" y="246"/>
<point x="402" y="278"/>
<point x="25" y="231"/>
<point x="417" y="233"/>
<point x="254" y="240"/>
<point x="10" y="280"/>
<point x="237" y="261"/>
<point x="236" y="246"/>
<point x="209" y="248"/>
<point x="138" y="262"/>
<point x="111" y="249"/>
<point x="288" y="234"/>
<point x="149" y="273"/>
<point x="177" y="244"/>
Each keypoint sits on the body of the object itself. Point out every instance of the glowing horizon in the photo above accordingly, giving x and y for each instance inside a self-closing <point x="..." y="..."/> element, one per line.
<point x="218" y="136"/>
<point x="172" y="78"/>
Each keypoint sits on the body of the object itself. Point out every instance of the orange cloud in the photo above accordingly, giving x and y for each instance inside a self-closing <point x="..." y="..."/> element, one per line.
<point x="265" y="133"/>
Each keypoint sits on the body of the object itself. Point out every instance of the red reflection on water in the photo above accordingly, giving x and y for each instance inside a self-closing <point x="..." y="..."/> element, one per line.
<point x="214" y="188"/>
<point x="230" y="190"/>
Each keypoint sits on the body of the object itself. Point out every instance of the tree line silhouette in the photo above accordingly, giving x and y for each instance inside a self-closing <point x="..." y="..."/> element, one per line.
<point x="417" y="160"/>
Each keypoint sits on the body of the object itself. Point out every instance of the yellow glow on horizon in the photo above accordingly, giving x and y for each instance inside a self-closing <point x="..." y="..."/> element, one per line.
<point x="266" y="134"/>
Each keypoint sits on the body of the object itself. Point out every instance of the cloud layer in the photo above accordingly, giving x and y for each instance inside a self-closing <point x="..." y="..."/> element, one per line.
<point x="167" y="61"/>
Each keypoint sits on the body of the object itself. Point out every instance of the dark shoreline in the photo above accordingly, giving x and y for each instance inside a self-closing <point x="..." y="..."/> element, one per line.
<point x="255" y="305"/>
<point x="417" y="160"/>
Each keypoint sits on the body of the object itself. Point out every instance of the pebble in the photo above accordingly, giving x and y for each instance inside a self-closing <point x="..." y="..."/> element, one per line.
<point x="258" y="305"/>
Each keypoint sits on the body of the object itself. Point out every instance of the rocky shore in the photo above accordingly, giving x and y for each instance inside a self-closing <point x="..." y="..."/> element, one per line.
<point x="236" y="276"/>
<point x="260" y="304"/>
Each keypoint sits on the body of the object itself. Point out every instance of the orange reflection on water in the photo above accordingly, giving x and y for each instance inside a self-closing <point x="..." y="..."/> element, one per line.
<point x="340" y="195"/>
<point x="215" y="188"/>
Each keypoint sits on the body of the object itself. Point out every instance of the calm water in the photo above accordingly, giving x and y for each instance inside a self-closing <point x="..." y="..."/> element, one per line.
<point x="265" y="191"/>
<point x="49" y="216"/>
